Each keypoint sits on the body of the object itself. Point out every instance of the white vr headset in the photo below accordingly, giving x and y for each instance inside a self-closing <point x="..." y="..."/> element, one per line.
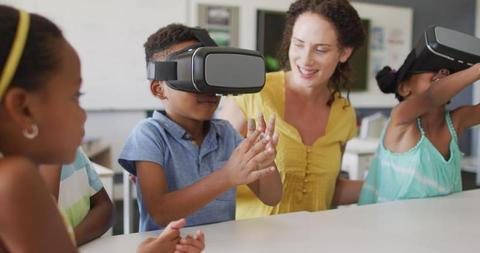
<point x="207" y="68"/>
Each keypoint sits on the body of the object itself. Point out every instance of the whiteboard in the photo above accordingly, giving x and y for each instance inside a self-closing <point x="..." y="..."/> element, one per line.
<point x="108" y="36"/>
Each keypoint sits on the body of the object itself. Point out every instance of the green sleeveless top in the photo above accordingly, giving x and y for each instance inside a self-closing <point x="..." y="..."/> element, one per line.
<point x="420" y="172"/>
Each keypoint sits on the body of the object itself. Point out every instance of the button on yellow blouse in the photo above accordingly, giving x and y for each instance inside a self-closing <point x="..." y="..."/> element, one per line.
<point x="308" y="173"/>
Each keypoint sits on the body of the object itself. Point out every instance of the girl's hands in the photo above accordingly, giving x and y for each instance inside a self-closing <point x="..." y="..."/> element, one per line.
<point x="166" y="241"/>
<point x="170" y="241"/>
<point x="191" y="244"/>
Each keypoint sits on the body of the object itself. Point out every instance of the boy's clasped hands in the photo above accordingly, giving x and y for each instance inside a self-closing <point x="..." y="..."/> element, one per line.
<point x="254" y="157"/>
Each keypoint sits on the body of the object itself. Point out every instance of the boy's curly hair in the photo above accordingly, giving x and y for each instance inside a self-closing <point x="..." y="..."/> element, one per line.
<point x="166" y="37"/>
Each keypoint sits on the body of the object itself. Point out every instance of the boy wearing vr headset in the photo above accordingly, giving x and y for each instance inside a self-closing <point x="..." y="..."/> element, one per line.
<point x="418" y="155"/>
<point x="186" y="163"/>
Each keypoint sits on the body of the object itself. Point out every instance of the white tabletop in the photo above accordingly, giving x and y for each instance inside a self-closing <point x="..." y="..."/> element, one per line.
<point x="443" y="224"/>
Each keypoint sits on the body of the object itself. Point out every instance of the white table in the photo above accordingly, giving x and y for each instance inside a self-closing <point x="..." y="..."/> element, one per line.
<point x="443" y="224"/>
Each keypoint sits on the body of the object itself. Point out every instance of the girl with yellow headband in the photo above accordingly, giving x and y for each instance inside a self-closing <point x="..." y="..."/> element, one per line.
<point x="41" y="122"/>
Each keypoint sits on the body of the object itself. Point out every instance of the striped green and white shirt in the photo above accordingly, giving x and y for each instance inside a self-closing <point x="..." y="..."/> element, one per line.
<point x="78" y="183"/>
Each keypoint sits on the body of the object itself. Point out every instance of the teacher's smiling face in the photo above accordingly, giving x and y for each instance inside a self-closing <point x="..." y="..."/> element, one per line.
<point x="314" y="50"/>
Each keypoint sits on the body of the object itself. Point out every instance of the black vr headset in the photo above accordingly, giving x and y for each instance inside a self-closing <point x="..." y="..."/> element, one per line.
<point x="207" y="68"/>
<point x="441" y="48"/>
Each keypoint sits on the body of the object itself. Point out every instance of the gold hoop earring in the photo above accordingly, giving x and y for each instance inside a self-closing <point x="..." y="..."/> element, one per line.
<point x="32" y="133"/>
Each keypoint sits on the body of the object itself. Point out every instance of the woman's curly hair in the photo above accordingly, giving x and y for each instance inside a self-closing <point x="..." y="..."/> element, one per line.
<point x="349" y="31"/>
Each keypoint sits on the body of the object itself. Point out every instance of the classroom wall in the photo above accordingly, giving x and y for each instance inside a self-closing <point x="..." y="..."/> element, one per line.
<point x="447" y="15"/>
<point x="113" y="126"/>
<point x="108" y="36"/>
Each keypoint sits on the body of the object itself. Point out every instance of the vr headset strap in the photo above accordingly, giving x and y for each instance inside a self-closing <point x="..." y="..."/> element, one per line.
<point x="167" y="70"/>
<point x="203" y="37"/>
<point x="162" y="71"/>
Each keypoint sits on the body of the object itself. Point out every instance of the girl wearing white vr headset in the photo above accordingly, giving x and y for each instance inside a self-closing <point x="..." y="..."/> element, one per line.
<point x="418" y="155"/>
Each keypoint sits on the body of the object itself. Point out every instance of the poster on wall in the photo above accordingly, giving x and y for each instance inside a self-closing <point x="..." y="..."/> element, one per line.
<point x="390" y="36"/>
<point x="221" y="22"/>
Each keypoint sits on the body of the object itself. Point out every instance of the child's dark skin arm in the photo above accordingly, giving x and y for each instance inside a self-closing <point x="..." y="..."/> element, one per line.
<point x="402" y="132"/>
<point x="98" y="220"/>
<point x="438" y="94"/>
<point x="465" y="117"/>
<point x="29" y="221"/>
<point x="347" y="191"/>
<point x="165" y="206"/>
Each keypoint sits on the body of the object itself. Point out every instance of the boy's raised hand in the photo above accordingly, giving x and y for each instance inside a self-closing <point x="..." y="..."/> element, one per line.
<point x="253" y="158"/>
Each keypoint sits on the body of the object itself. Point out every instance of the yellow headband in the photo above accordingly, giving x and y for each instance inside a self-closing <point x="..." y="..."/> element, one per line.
<point x="16" y="51"/>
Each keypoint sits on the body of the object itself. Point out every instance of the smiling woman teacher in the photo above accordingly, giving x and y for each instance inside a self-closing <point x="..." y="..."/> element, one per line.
<point x="313" y="119"/>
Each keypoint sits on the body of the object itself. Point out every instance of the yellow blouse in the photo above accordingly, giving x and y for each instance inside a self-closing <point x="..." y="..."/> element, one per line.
<point x="309" y="173"/>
